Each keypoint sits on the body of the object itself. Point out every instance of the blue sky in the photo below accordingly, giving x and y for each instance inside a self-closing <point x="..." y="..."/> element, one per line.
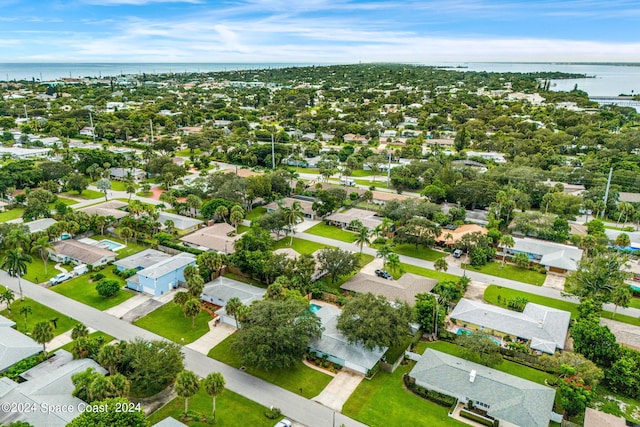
<point x="318" y="31"/>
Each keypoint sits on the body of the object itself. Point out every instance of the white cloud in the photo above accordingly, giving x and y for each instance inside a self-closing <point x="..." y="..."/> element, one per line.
<point x="136" y="2"/>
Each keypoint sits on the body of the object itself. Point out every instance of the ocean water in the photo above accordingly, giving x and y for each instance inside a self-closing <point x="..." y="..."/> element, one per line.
<point x="608" y="80"/>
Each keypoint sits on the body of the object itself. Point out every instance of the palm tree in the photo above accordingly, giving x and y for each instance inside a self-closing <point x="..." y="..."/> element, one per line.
<point x="43" y="333"/>
<point x="186" y="385"/>
<point x="232" y="308"/>
<point x="383" y="252"/>
<point x="195" y="285"/>
<point x="8" y="297"/>
<point x="181" y="298"/>
<point x="221" y="212"/>
<point x="506" y="241"/>
<point x="393" y="262"/>
<point x="15" y="262"/>
<point x="293" y="216"/>
<point x="191" y="309"/>
<point x="194" y="202"/>
<point x="214" y="386"/>
<point x="109" y="357"/>
<point x="623" y="240"/>
<point x="236" y="218"/>
<point x="80" y="330"/>
<point x="42" y="246"/>
<point x="620" y="297"/>
<point x="362" y="237"/>
<point x="441" y="265"/>
<point x="131" y="190"/>
<point x="126" y="233"/>
<point x="169" y="226"/>
<point x="25" y="311"/>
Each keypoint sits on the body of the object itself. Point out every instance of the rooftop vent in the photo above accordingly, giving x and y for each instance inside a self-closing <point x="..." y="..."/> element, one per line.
<point x="472" y="376"/>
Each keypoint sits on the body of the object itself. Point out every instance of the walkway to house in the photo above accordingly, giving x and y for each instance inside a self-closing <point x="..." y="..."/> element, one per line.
<point x="60" y="268"/>
<point x="217" y="334"/>
<point x="336" y="393"/>
<point x="62" y="339"/>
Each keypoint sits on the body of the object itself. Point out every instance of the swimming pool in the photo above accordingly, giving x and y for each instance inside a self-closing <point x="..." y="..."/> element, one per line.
<point x="462" y="331"/>
<point x="314" y="308"/>
<point x="111" y="245"/>
<point x="635" y="288"/>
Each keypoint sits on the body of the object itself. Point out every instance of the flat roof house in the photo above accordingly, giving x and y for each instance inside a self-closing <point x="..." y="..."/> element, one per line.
<point x="121" y="174"/>
<point x="182" y="223"/>
<point x="111" y="208"/>
<point x="80" y="253"/>
<point x="220" y="290"/>
<point x="404" y="289"/>
<point x="14" y="345"/>
<point x="544" y="327"/>
<point x="507" y="398"/>
<point x="141" y="260"/>
<point x="368" y="219"/>
<point x="219" y="237"/>
<point x="555" y="257"/>
<point x="336" y="347"/>
<point x="48" y="385"/>
<point x="163" y="276"/>
<point x="451" y="237"/>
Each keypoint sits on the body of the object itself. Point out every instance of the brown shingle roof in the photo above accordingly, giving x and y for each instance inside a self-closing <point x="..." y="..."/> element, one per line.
<point x="87" y="254"/>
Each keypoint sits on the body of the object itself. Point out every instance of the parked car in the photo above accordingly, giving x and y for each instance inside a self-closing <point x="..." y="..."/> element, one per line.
<point x="384" y="274"/>
<point x="457" y="253"/>
<point x="60" y="278"/>
<point x="283" y="423"/>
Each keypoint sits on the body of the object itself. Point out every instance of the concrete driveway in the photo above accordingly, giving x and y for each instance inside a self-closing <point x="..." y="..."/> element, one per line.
<point x="554" y="281"/>
<point x="336" y="393"/>
<point x="217" y="334"/>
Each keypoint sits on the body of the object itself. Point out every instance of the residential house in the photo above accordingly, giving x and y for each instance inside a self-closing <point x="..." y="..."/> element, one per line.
<point x="344" y="219"/>
<point x="292" y="254"/>
<point x="19" y="153"/>
<point x="287" y="202"/>
<point x="404" y="289"/>
<point x="555" y="257"/>
<point x="141" y="260"/>
<point x="48" y="390"/>
<point x="511" y="400"/>
<point x="496" y="157"/>
<point x="572" y="189"/>
<point x="183" y="224"/>
<point x="451" y="237"/>
<point x="337" y="348"/>
<point x="40" y="225"/>
<point x="163" y="276"/>
<point x="382" y="197"/>
<point x="219" y="237"/>
<point x="71" y="250"/>
<point x="544" y="328"/>
<point x="112" y="208"/>
<point x="122" y="174"/>
<point x="220" y="290"/>
<point x="14" y="345"/>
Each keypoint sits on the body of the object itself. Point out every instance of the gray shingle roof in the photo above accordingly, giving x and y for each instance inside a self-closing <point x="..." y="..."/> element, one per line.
<point x="87" y="254"/>
<point x="51" y="387"/>
<point x="181" y="222"/>
<point x="510" y="398"/>
<point x="551" y="254"/>
<point x="404" y="289"/>
<point x="546" y="327"/>
<point x="40" y="224"/>
<point x="223" y="288"/>
<point x="334" y="343"/>
<point x="14" y="345"/>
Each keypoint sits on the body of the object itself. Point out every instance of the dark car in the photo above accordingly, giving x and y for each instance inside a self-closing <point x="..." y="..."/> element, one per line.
<point x="384" y="274"/>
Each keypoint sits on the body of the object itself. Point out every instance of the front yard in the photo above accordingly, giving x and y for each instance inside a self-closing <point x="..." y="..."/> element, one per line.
<point x="408" y="249"/>
<point x="169" y="321"/>
<point x="86" y="194"/>
<point x="38" y="313"/>
<point x="511" y="272"/>
<point x="107" y="339"/>
<point x="300" y="376"/>
<point x="232" y="409"/>
<point x="364" y="260"/>
<point x="35" y="270"/>
<point x="332" y="232"/>
<point x="256" y="213"/>
<point x="82" y="289"/>
<point x="384" y="402"/>
<point x="301" y="246"/>
<point x="421" y="271"/>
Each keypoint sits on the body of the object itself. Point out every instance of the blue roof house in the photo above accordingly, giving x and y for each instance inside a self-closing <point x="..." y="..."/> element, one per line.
<point x="163" y="276"/>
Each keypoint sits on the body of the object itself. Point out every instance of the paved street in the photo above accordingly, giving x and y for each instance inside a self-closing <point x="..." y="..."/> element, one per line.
<point x="305" y="411"/>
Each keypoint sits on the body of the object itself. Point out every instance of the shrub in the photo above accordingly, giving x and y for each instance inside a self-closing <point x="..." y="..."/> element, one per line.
<point x="380" y="241"/>
<point x="273" y="413"/>
<point x="97" y="276"/>
<point x="108" y="287"/>
<point x="434" y="396"/>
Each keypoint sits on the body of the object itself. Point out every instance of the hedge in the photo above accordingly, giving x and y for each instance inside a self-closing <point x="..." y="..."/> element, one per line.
<point x="438" y="398"/>
<point x="465" y="413"/>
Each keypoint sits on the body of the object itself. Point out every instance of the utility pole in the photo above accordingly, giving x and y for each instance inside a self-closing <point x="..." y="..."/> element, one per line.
<point x="389" y="171"/>
<point x="151" y="127"/>
<point x="606" y="192"/>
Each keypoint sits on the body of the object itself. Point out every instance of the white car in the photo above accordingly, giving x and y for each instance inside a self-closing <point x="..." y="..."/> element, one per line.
<point x="283" y="423"/>
<point x="60" y="278"/>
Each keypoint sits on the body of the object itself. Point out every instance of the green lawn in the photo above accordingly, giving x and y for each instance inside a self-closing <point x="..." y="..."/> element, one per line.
<point x="293" y="379"/>
<point x="408" y="249"/>
<point x="35" y="270"/>
<point x="117" y="186"/>
<point x="313" y="171"/>
<point x="64" y="200"/>
<point x="14" y="213"/>
<point x="169" y="322"/>
<point x="383" y="401"/>
<point x="81" y="289"/>
<point x="232" y="409"/>
<point x="243" y="279"/>
<point x="360" y="173"/>
<point x="107" y="339"/>
<point x="301" y="246"/>
<point x="86" y="194"/>
<point x="332" y="232"/>
<point x="635" y="302"/>
<point x="38" y="313"/>
<point x="421" y="271"/>
<point x="243" y="228"/>
<point x="380" y="182"/>
<point x="132" y="247"/>
<point x="256" y="213"/>
<point x="187" y="152"/>
<point x="510" y="272"/>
